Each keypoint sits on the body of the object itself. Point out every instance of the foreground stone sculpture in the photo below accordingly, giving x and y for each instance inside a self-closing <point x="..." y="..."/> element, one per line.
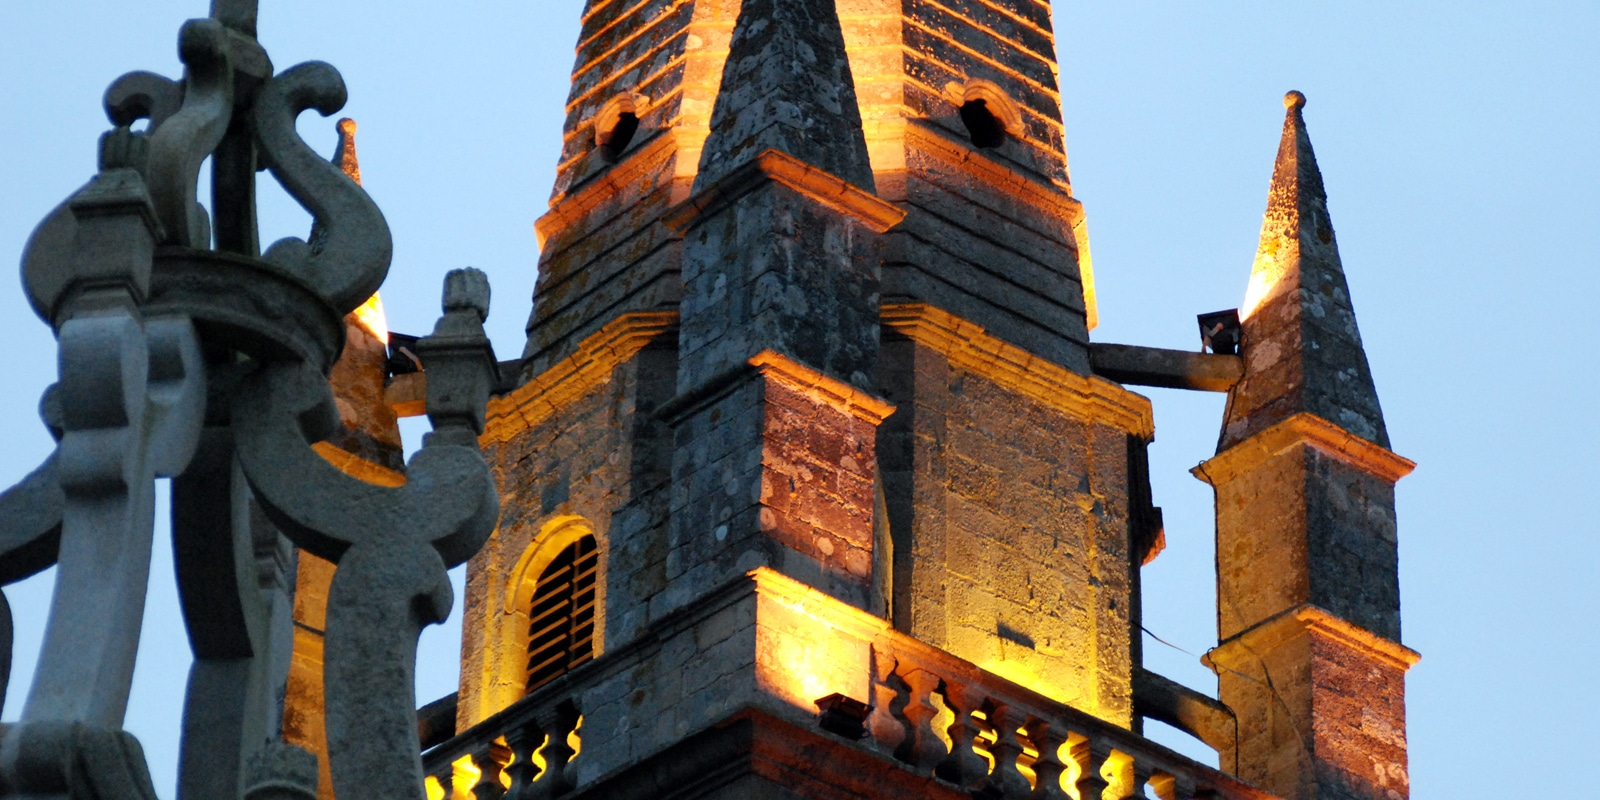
<point x="186" y="352"/>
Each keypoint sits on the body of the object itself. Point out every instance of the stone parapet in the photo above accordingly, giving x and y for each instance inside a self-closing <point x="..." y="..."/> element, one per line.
<point x="765" y="648"/>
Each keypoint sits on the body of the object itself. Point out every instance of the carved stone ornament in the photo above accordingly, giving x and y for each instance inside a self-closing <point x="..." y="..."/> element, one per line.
<point x="188" y="353"/>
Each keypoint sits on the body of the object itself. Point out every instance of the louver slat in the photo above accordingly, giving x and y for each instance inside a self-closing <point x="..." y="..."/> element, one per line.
<point x="561" y="615"/>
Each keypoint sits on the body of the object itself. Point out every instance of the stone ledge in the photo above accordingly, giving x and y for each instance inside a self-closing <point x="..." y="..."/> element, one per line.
<point x="822" y="388"/>
<point x="968" y="346"/>
<point x="580" y="201"/>
<point x="782" y="168"/>
<point x="1240" y="650"/>
<point x="576" y="375"/>
<point x="1311" y="430"/>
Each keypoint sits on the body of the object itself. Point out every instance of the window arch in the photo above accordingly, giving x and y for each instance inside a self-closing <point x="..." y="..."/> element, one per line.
<point x="616" y="124"/>
<point x="561" y="613"/>
<point x="555" y="605"/>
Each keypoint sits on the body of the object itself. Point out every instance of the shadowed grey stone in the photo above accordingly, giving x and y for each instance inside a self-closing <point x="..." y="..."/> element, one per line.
<point x="350" y="257"/>
<point x="137" y="401"/>
<point x="787" y="87"/>
<point x="392" y="546"/>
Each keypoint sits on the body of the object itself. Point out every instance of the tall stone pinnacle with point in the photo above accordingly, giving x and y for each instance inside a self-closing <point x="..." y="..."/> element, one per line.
<point x="1308" y="599"/>
<point x="787" y="87"/>
<point x="1303" y="346"/>
<point x="779" y="319"/>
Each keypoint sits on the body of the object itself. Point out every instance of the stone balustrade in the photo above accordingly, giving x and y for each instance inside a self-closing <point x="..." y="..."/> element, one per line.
<point x="994" y="738"/>
<point x="959" y="727"/>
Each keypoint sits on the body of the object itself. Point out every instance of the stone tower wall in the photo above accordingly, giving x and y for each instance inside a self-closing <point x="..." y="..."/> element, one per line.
<point x="604" y="250"/>
<point x="1006" y="468"/>
<point x="600" y="460"/>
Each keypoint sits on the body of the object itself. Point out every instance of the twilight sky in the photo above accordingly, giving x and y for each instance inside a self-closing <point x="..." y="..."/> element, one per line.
<point x="1458" y="144"/>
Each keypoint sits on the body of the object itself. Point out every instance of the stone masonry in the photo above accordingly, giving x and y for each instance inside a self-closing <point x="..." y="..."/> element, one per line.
<point x="809" y="358"/>
<point x="1308" y="600"/>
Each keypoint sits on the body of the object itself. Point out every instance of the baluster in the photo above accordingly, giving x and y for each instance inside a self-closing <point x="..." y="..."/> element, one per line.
<point x="523" y="740"/>
<point x="1139" y="773"/>
<point x="559" y="721"/>
<point x="1007" y="780"/>
<point x="1165" y="785"/>
<point x="1091" y="756"/>
<point x="888" y="698"/>
<point x="922" y="748"/>
<point x="1048" y="768"/>
<point x="963" y="766"/>
<point x="446" y="776"/>
<point x="490" y="758"/>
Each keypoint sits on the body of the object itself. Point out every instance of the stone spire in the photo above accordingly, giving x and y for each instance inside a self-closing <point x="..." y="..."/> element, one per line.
<point x="1301" y="344"/>
<point x="1308" y="592"/>
<point x="787" y="86"/>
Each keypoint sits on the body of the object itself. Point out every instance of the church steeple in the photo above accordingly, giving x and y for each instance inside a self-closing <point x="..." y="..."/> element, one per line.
<point x="1301" y="342"/>
<point x="787" y="86"/>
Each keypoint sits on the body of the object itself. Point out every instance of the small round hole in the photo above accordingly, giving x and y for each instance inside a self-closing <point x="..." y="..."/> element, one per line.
<point x="614" y="141"/>
<point x="983" y="126"/>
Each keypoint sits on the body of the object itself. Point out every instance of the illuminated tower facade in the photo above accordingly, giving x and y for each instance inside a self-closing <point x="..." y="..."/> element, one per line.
<point x="813" y="484"/>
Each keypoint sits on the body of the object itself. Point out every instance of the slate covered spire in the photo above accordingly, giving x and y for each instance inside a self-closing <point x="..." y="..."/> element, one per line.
<point x="787" y="86"/>
<point x="1302" y="348"/>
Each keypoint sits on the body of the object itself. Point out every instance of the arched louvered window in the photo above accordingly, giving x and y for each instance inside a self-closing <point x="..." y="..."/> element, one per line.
<point x="561" y="614"/>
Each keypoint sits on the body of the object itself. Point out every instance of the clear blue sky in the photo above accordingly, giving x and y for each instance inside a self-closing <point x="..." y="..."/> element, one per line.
<point x="1458" y="145"/>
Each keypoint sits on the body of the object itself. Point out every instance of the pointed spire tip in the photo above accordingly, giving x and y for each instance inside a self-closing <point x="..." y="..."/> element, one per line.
<point x="1294" y="101"/>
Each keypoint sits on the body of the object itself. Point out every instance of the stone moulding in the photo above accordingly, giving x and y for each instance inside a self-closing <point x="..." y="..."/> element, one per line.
<point x="779" y="167"/>
<point x="964" y="343"/>
<point x="821" y="388"/>
<point x="576" y="375"/>
<point x="1246" y="647"/>
<point x="1312" y="430"/>
<point x="573" y="208"/>
<point x="967" y="346"/>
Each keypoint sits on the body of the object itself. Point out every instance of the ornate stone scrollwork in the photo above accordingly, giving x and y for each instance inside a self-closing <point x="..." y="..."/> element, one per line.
<point x="349" y="255"/>
<point x="207" y="363"/>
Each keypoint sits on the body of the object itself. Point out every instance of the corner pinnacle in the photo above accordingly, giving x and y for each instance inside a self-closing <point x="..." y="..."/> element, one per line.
<point x="787" y="86"/>
<point x="1302" y="347"/>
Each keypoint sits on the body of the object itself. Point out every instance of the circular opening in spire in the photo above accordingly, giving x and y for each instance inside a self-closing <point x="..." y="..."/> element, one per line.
<point x="616" y="125"/>
<point x="614" y="141"/>
<point x="982" y="125"/>
<point x="989" y="116"/>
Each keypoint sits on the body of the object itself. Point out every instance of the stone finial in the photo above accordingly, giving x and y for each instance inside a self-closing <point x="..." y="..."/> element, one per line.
<point x="787" y="86"/>
<point x="466" y="289"/>
<point x="1302" y="347"/>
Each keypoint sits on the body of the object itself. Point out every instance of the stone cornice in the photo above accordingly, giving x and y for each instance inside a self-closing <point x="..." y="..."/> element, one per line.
<point x="574" y="376"/>
<point x="1241" y="650"/>
<point x="1312" y="430"/>
<point x="821" y="388"/>
<point x="582" y="200"/>
<point x="782" y="168"/>
<point x="966" y="345"/>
